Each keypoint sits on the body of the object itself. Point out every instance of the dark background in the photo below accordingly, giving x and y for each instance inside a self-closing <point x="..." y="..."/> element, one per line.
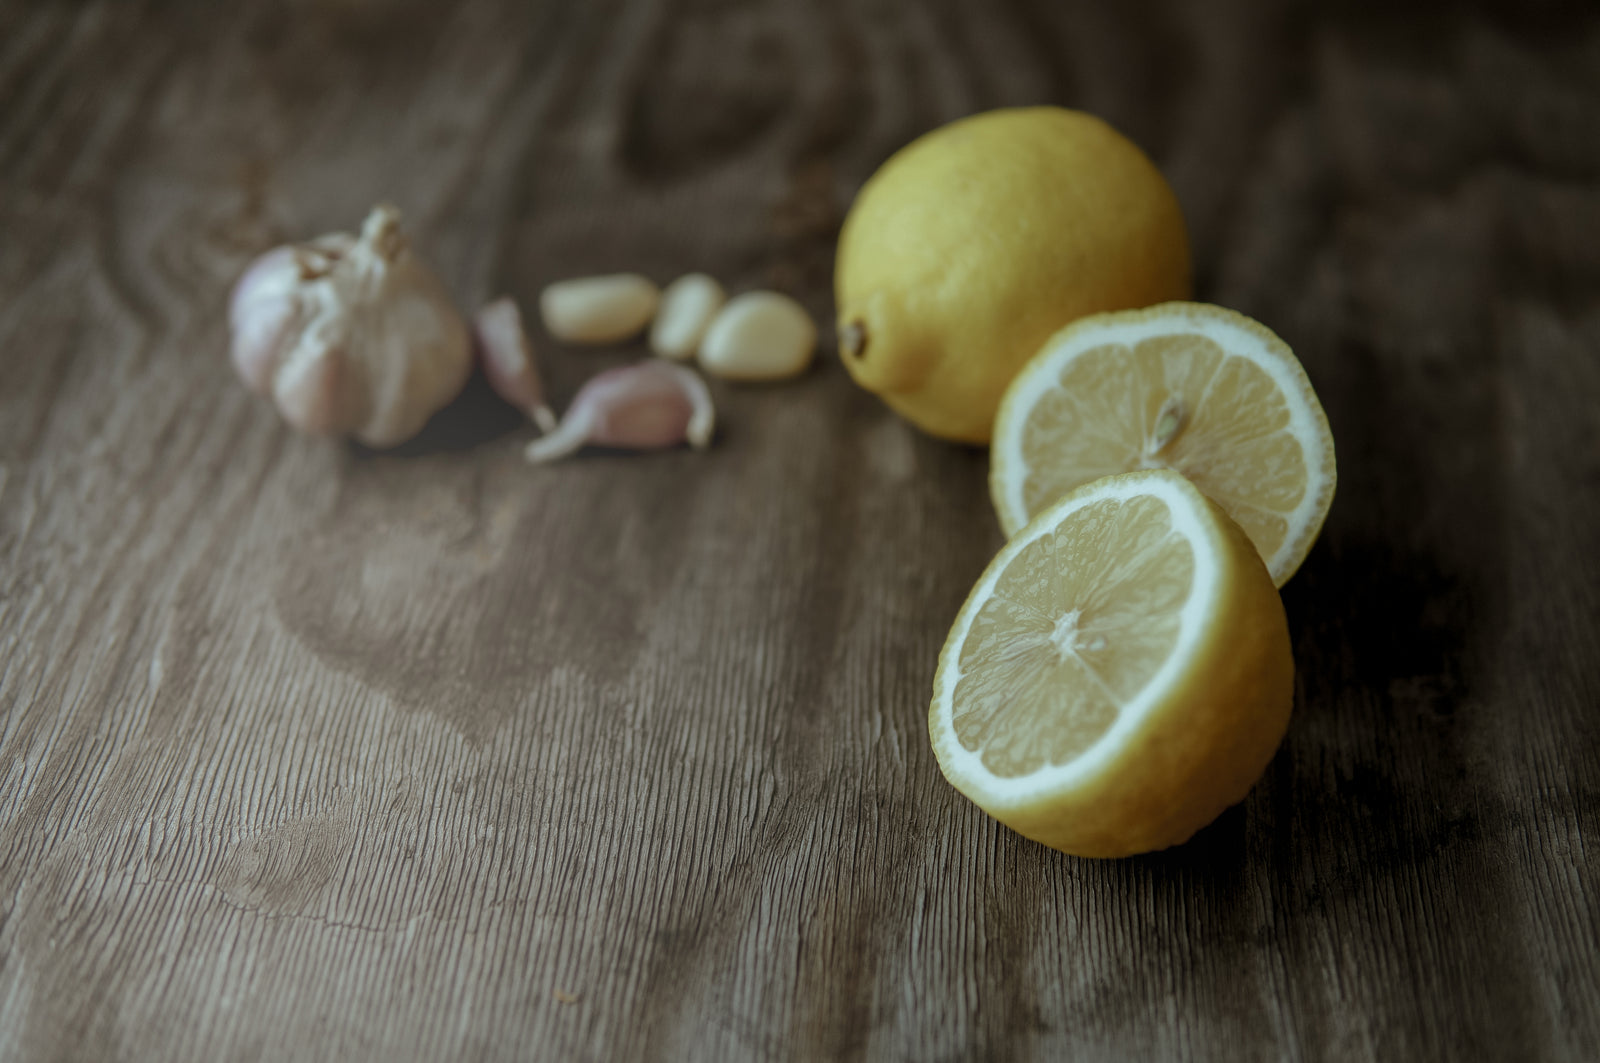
<point x="311" y="751"/>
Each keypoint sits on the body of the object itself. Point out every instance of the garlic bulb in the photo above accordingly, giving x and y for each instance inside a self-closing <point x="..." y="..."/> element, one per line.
<point x="350" y="335"/>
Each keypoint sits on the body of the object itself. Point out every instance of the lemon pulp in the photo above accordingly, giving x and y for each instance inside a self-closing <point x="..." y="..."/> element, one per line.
<point x="1075" y="628"/>
<point x="1184" y="386"/>
<point x="1121" y="672"/>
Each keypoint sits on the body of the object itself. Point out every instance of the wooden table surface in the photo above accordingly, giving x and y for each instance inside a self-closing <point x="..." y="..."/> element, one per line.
<point x="313" y="752"/>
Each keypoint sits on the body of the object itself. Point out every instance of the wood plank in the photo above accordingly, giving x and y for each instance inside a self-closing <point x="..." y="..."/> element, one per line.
<point x="317" y="752"/>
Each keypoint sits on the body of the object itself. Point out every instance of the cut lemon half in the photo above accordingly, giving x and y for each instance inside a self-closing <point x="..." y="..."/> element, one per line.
<point x="1185" y="386"/>
<point x="1120" y="674"/>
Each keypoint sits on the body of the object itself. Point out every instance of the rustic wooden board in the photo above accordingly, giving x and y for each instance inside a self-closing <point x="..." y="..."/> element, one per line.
<point x="313" y="752"/>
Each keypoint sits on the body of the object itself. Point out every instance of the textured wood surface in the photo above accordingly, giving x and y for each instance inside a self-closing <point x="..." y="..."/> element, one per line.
<point x="313" y="752"/>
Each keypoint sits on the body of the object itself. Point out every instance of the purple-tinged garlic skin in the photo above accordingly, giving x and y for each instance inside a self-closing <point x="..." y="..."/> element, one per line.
<point x="350" y="335"/>
<point x="507" y="357"/>
<point x="259" y="313"/>
<point x="648" y="406"/>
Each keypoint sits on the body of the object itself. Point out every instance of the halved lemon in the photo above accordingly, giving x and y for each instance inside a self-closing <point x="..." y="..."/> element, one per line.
<point x="1185" y="386"/>
<point x="1120" y="674"/>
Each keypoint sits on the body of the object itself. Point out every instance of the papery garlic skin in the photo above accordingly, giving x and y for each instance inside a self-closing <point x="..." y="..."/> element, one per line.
<point x="350" y="336"/>
<point x="647" y="406"/>
<point x="263" y="310"/>
<point x="508" y="362"/>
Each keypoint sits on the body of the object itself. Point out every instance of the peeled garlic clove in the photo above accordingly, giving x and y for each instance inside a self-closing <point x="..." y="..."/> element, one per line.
<point x="687" y="307"/>
<point x="759" y="336"/>
<point x="350" y="335"/>
<point x="640" y="407"/>
<point x="605" y="309"/>
<point x="507" y="357"/>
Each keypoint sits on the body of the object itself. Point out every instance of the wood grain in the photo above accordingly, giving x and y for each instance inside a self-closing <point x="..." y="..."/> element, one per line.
<point x="308" y="751"/>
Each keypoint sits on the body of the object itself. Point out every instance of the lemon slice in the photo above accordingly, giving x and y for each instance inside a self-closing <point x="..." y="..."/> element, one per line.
<point x="1120" y="674"/>
<point x="1186" y="386"/>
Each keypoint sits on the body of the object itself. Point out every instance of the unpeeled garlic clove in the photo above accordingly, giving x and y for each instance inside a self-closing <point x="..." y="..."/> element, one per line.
<point x="605" y="309"/>
<point x="647" y="406"/>
<point x="350" y="335"/>
<point x="687" y="306"/>
<point x="759" y="336"/>
<point x="507" y="357"/>
<point x="262" y="308"/>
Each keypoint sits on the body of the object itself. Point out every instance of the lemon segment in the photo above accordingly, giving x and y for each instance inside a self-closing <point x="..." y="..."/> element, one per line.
<point x="1119" y="675"/>
<point x="1185" y="386"/>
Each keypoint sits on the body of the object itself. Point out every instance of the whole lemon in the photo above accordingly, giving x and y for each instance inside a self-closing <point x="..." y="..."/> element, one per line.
<point x="976" y="242"/>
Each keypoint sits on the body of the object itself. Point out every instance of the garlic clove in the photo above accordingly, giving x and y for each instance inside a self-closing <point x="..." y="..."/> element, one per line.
<point x="309" y="390"/>
<point x="759" y="336"/>
<point x="702" y="413"/>
<point x="350" y="335"/>
<point x="687" y="306"/>
<point x="605" y="309"/>
<point x="507" y="357"/>
<point x="647" y="406"/>
<point x="260" y="313"/>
